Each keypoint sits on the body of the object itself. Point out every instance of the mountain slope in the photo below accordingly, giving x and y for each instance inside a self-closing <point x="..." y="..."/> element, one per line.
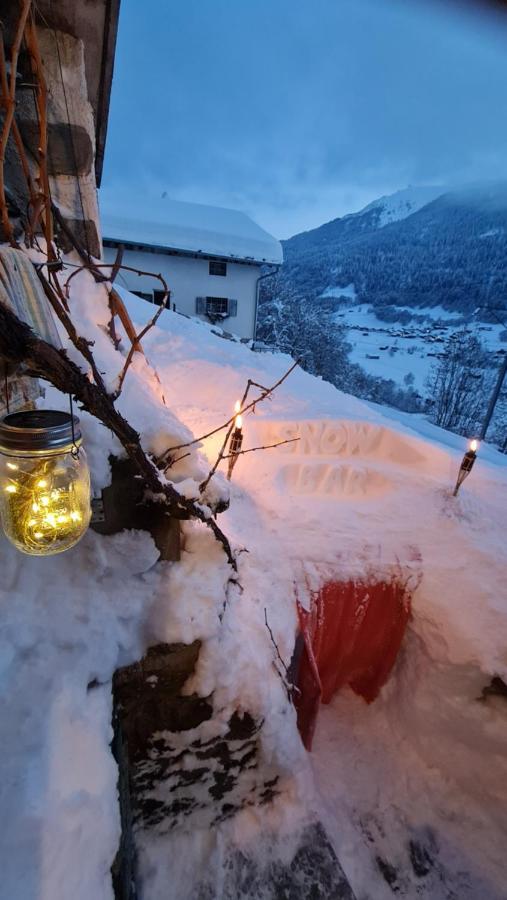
<point x="449" y="252"/>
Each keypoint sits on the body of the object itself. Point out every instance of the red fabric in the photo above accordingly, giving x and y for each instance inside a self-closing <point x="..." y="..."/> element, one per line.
<point x="352" y="635"/>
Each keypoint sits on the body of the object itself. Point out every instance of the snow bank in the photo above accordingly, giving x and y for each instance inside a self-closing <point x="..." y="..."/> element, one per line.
<point x="359" y="486"/>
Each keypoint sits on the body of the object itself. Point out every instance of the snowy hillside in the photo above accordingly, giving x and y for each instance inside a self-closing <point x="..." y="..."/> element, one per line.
<point x="393" y="281"/>
<point x="412" y="789"/>
<point x="397" y="206"/>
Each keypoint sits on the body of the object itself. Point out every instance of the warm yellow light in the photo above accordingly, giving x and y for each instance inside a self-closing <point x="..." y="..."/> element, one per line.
<point x="44" y="482"/>
<point x="238" y="421"/>
<point x="474" y="445"/>
<point x="47" y="509"/>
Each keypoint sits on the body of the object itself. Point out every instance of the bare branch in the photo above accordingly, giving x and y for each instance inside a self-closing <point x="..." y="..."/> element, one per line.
<point x="95" y="267"/>
<point x="19" y="344"/>
<point x="138" y="340"/>
<point x="10" y="102"/>
<point x="80" y="343"/>
<point x="266" y="393"/>
<point x="265" y="447"/>
<point x="41" y="102"/>
<point x="289" y="687"/>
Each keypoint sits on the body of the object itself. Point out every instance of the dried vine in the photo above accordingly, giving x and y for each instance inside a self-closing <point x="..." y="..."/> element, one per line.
<point x="9" y="98"/>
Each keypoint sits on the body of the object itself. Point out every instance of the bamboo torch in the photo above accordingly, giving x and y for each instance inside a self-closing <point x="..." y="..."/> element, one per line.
<point x="466" y="464"/>
<point x="236" y="440"/>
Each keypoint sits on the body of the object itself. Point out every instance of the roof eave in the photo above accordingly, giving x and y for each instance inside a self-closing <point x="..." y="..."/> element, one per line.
<point x="181" y="251"/>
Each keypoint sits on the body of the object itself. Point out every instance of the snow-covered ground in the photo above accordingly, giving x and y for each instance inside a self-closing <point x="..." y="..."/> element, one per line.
<point x="391" y="350"/>
<point x="362" y="488"/>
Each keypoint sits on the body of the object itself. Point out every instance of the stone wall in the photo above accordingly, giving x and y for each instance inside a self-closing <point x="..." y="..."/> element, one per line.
<point x="172" y="773"/>
<point x="71" y="138"/>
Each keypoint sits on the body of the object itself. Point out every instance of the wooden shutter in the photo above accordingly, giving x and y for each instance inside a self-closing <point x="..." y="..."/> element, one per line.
<point x="233" y="307"/>
<point x="200" y="306"/>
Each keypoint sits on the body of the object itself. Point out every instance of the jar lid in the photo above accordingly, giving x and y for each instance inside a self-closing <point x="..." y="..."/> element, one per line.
<point x="38" y="429"/>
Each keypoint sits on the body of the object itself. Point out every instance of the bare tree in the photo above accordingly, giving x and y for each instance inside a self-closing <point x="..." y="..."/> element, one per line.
<point x="459" y="385"/>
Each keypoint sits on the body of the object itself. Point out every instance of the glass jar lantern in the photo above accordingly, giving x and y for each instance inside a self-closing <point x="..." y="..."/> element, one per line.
<point x="44" y="481"/>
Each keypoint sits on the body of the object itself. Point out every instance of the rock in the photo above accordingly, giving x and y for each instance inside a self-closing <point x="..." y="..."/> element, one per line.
<point x="313" y="873"/>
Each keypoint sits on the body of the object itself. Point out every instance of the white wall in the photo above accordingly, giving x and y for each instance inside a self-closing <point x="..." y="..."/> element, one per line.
<point x="188" y="278"/>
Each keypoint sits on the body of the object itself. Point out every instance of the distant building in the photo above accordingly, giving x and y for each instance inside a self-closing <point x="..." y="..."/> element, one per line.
<point x="210" y="257"/>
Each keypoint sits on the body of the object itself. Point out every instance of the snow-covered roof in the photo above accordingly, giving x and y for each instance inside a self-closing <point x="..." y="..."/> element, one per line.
<point x="191" y="227"/>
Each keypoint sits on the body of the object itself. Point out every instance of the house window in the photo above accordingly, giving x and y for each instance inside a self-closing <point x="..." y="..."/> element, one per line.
<point x="217" y="306"/>
<point x="217" y="267"/>
<point x="144" y="295"/>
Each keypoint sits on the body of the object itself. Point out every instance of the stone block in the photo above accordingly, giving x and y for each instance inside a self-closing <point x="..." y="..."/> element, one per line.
<point x="86" y="234"/>
<point x="70" y="149"/>
<point x="123" y="507"/>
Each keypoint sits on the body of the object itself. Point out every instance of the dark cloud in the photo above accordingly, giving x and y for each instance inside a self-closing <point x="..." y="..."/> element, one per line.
<point x="301" y="111"/>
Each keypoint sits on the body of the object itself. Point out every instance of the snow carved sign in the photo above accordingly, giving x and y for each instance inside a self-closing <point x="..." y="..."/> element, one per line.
<point x="327" y="457"/>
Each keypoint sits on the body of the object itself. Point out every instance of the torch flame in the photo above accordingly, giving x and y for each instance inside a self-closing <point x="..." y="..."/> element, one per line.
<point x="473" y="445"/>
<point x="238" y="421"/>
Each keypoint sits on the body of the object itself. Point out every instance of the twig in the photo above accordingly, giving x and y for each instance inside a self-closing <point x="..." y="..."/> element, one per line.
<point x="114" y="297"/>
<point x="172" y="462"/>
<point x="17" y="136"/>
<point x="111" y="325"/>
<point x="138" y="340"/>
<point x="10" y="102"/>
<point x="36" y="61"/>
<point x="117" y="264"/>
<point x="266" y="447"/>
<point x="242" y="411"/>
<point x="92" y="267"/>
<point x="80" y="343"/>
<point x="289" y="687"/>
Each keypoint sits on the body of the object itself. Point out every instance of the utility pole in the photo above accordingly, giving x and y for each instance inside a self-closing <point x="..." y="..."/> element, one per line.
<point x="501" y="375"/>
<point x="494" y="397"/>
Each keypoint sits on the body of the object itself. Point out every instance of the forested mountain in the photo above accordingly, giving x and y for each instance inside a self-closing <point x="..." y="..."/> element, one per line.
<point x="450" y="252"/>
<point x="361" y="299"/>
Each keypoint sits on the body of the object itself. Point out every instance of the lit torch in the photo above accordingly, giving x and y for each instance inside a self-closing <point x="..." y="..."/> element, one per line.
<point x="236" y="440"/>
<point x="466" y="464"/>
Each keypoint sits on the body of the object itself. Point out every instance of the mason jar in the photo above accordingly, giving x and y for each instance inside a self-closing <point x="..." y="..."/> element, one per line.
<point x="44" y="481"/>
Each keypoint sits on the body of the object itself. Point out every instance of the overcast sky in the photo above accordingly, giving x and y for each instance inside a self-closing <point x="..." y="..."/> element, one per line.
<point x="299" y="111"/>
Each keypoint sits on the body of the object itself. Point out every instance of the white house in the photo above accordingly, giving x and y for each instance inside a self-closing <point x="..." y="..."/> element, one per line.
<point x="210" y="257"/>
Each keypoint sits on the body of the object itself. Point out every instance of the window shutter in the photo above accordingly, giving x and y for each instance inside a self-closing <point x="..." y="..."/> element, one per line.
<point x="200" y="306"/>
<point x="233" y="307"/>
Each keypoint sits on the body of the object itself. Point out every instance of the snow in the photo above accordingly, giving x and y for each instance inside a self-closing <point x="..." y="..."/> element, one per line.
<point x="493" y="232"/>
<point x="190" y="227"/>
<point x="362" y="487"/>
<point x="397" y="206"/>
<point x="412" y="346"/>
<point x="347" y="292"/>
